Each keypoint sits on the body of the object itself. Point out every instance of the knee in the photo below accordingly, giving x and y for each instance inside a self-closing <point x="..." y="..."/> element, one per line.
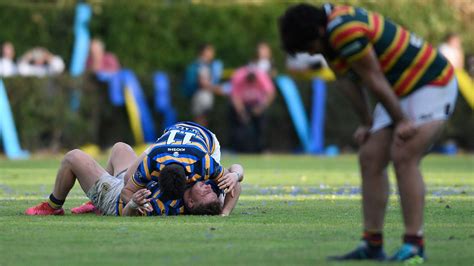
<point x="72" y="156"/>
<point x="120" y="146"/>
<point x="368" y="161"/>
<point x="403" y="159"/>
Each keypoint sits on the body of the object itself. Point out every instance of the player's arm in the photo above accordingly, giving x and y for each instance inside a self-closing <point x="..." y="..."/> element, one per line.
<point x="130" y="186"/>
<point x="231" y="199"/>
<point x="139" y="204"/>
<point x="230" y="182"/>
<point x="230" y="177"/>
<point x="368" y="69"/>
<point x="133" y="168"/>
<point x="359" y="99"/>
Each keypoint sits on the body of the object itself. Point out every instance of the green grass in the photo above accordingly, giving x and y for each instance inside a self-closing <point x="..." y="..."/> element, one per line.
<point x="293" y="210"/>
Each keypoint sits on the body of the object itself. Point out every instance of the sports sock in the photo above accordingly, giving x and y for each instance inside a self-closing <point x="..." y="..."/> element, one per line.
<point x="374" y="240"/>
<point x="416" y="240"/>
<point x="54" y="202"/>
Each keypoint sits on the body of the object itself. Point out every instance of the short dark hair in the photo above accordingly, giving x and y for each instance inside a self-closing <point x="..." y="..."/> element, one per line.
<point x="250" y="77"/>
<point x="203" y="46"/>
<point x="299" y="27"/>
<point x="172" y="181"/>
<point x="211" y="208"/>
<point x="448" y="36"/>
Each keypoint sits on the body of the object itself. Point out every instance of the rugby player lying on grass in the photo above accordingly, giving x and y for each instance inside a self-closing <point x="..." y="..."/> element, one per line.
<point x="186" y="154"/>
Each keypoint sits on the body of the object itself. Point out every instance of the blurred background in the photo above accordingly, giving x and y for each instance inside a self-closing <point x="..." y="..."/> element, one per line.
<point x="139" y="58"/>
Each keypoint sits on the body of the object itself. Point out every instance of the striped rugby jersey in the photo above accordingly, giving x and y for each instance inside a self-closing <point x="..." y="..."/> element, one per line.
<point x="161" y="205"/>
<point x="406" y="60"/>
<point x="184" y="143"/>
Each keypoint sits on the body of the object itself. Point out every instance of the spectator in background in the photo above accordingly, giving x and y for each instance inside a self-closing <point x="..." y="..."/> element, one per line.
<point x="263" y="59"/>
<point x="100" y="60"/>
<point x="470" y="65"/>
<point x="7" y="61"/>
<point x="451" y="48"/>
<point x="202" y="96"/>
<point x="251" y="95"/>
<point x="40" y="62"/>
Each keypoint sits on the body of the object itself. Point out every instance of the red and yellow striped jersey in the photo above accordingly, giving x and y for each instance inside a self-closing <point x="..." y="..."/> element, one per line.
<point x="406" y="60"/>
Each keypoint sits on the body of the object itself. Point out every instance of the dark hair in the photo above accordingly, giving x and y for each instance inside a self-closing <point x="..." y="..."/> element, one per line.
<point x="299" y="27"/>
<point x="448" y="36"/>
<point x="203" y="46"/>
<point x="250" y="77"/>
<point x="211" y="208"/>
<point x="172" y="181"/>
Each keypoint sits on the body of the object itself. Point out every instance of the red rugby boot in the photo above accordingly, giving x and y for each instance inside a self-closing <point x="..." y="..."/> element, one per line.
<point x="87" y="207"/>
<point x="44" y="209"/>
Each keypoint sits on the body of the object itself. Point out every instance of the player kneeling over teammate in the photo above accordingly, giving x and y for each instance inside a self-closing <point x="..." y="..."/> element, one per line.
<point x="168" y="171"/>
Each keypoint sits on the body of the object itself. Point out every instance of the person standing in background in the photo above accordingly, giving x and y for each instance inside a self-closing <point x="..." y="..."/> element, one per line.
<point x="251" y="95"/>
<point x="100" y="60"/>
<point x="451" y="48"/>
<point x="8" y="67"/>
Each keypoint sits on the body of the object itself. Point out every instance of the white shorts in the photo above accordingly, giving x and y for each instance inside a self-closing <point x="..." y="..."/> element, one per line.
<point x="202" y="102"/>
<point x="216" y="154"/>
<point x="428" y="103"/>
<point x="105" y="193"/>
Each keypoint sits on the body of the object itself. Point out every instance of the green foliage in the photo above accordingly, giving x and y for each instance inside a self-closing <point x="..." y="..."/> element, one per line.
<point x="279" y="228"/>
<point x="164" y="35"/>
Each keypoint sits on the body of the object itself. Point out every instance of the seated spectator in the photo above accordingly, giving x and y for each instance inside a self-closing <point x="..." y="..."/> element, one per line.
<point x="200" y="87"/>
<point x="100" y="60"/>
<point x="40" y="62"/>
<point x="451" y="48"/>
<point x="251" y="95"/>
<point x="263" y="58"/>
<point x="7" y="61"/>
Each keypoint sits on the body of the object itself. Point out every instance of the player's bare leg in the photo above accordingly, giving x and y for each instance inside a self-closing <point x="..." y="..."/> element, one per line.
<point x="374" y="156"/>
<point x="121" y="157"/>
<point x="406" y="159"/>
<point x="75" y="165"/>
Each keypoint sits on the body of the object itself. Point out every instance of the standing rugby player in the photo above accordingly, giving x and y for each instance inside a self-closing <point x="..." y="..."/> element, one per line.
<point x="416" y="92"/>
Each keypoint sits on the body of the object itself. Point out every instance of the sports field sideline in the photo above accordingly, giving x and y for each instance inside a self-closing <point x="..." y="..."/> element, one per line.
<point x="293" y="210"/>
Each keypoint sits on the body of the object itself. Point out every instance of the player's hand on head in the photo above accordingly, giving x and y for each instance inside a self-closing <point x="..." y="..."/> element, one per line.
<point x="361" y="135"/>
<point x="404" y="130"/>
<point x="145" y="208"/>
<point x="228" y="182"/>
<point x="140" y="197"/>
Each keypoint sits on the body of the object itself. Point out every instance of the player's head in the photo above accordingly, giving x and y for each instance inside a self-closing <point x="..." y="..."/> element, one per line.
<point x="200" y="199"/>
<point x="453" y="39"/>
<point x="302" y="29"/>
<point x="172" y="181"/>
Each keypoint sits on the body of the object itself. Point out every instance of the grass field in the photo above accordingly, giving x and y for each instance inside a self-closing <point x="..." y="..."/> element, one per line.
<point x="294" y="210"/>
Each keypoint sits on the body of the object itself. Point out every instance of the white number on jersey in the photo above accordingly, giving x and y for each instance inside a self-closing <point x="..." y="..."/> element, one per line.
<point x="186" y="139"/>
